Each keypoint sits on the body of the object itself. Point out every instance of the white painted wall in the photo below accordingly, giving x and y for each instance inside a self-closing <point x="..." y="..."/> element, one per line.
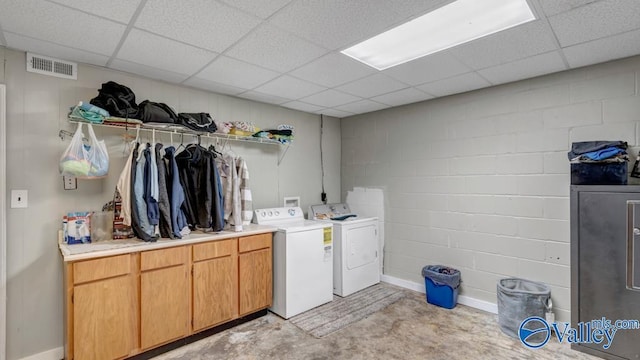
<point x="3" y="217"/>
<point x="480" y="181"/>
<point x="37" y="108"/>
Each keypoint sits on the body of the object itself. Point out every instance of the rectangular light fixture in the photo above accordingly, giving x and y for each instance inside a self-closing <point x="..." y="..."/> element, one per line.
<point x="453" y="24"/>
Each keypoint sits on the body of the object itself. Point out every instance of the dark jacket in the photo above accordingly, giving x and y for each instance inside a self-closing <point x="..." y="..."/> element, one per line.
<point x="176" y="193"/>
<point x="153" y="213"/>
<point x="163" y="197"/>
<point x="201" y="181"/>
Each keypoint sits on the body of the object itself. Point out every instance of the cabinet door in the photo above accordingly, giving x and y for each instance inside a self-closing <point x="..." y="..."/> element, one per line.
<point x="214" y="286"/>
<point x="104" y="319"/>
<point x="255" y="280"/>
<point x="164" y="299"/>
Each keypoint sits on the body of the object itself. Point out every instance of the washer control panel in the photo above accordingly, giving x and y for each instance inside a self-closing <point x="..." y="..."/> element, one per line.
<point x="263" y="216"/>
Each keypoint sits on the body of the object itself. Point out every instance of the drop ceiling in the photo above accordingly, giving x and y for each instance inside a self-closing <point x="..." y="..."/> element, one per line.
<point x="287" y="52"/>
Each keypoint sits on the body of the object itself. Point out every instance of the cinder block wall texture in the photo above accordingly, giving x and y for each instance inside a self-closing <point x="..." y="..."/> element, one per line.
<point x="480" y="181"/>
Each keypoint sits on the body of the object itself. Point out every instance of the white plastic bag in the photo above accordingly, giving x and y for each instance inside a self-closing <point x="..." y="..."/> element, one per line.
<point x="82" y="160"/>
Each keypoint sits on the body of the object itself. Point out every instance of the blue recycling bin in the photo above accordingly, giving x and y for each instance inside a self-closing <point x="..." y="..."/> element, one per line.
<point x="442" y="284"/>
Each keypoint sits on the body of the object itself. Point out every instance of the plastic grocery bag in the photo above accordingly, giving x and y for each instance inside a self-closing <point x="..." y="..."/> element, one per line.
<point x="85" y="160"/>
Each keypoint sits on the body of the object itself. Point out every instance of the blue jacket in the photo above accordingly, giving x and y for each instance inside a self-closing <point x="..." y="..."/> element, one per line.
<point x="176" y="193"/>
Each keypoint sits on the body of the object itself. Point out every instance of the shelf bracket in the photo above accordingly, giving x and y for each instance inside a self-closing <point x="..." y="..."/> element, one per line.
<point x="281" y="157"/>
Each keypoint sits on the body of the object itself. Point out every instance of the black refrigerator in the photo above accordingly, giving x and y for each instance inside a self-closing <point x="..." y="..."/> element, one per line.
<point x="605" y="268"/>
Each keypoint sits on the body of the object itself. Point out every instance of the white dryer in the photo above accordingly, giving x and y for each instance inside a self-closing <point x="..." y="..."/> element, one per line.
<point x="302" y="260"/>
<point x="356" y="262"/>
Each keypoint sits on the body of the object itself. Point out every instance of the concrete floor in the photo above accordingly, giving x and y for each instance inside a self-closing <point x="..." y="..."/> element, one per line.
<point x="408" y="329"/>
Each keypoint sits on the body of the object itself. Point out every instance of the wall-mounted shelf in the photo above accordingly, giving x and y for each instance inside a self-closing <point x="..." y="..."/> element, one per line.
<point x="179" y="130"/>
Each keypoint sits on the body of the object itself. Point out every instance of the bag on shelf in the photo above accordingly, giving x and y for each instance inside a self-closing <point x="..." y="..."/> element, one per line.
<point x="82" y="160"/>
<point x="117" y="99"/>
<point x="197" y="122"/>
<point x="159" y="113"/>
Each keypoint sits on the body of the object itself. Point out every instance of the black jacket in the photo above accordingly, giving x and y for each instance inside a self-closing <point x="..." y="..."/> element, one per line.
<point x="200" y="179"/>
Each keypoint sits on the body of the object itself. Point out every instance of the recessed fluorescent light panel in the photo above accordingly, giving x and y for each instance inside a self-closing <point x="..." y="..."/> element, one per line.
<point x="456" y="23"/>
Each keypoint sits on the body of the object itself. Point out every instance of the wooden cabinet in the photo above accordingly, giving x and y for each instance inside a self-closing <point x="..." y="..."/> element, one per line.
<point x="122" y="305"/>
<point x="104" y="301"/>
<point x="215" y="283"/>
<point x="164" y="295"/>
<point x="255" y="275"/>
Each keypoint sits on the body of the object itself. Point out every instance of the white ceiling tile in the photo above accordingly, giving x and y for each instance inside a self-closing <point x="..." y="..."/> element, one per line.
<point x="118" y="10"/>
<point x="299" y="105"/>
<point x="405" y="96"/>
<point x="262" y="9"/>
<point x="426" y="69"/>
<point x="236" y="73"/>
<point x="602" y="50"/>
<point x="265" y="98"/>
<point x="54" y="50"/>
<point x="373" y="85"/>
<point x="415" y="8"/>
<point x="457" y="84"/>
<point x="332" y="70"/>
<point x="145" y="48"/>
<point x="147" y="71"/>
<point x="204" y="23"/>
<point x="595" y="21"/>
<point x="213" y="86"/>
<point x="275" y="49"/>
<point x="336" y="23"/>
<point x="54" y="23"/>
<point x="362" y="106"/>
<point x="289" y="87"/>
<point x="525" y="68"/>
<point x="516" y="43"/>
<point x="553" y="7"/>
<point x="330" y="98"/>
<point x="335" y="113"/>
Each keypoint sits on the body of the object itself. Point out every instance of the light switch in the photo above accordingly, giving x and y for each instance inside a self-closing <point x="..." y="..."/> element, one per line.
<point x="19" y="199"/>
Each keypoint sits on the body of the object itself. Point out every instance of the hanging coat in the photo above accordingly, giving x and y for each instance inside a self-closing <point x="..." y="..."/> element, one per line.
<point x="163" y="196"/>
<point x="135" y="213"/>
<point x="176" y="193"/>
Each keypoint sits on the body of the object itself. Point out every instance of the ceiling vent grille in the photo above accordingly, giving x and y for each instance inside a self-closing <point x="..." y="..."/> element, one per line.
<point x="50" y="66"/>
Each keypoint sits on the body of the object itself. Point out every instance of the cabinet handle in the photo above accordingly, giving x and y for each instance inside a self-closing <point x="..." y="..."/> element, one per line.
<point x="632" y="233"/>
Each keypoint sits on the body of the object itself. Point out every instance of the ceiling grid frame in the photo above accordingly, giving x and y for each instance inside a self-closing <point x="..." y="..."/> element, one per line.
<point x="315" y="66"/>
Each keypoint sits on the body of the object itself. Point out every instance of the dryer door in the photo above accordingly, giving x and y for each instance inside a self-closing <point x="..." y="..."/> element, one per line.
<point x="362" y="244"/>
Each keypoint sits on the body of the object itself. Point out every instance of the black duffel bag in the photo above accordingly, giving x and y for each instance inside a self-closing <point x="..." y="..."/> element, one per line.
<point x="197" y="121"/>
<point x="117" y="99"/>
<point x="159" y="113"/>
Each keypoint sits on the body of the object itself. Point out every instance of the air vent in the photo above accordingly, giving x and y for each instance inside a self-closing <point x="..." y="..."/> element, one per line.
<point x="50" y="66"/>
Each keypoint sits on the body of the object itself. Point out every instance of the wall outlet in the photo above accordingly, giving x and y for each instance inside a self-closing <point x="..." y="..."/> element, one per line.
<point x="70" y="182"/>
<point x="19" y="199"/>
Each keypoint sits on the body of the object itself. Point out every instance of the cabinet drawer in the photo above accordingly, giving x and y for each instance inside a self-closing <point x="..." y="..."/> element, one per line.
<point x="163" y="258"/>
<point x="90" y="270"/>
<point x="213" y="249"/>
<point x="254" y="242"/>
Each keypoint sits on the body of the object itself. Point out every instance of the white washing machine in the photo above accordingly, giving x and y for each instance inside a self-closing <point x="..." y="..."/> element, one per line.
<point x="356" y="262"/>
<point x="302" y="260"/>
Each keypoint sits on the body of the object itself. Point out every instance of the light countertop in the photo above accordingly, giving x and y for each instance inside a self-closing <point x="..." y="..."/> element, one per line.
<point x="116" y="247"/>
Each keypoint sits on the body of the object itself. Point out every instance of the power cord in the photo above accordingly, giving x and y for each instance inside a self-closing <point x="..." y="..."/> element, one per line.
<point x="323" y="195"/>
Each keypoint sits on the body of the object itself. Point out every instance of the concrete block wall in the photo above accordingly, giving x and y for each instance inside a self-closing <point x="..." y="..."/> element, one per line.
<point x="480" y="181"/>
